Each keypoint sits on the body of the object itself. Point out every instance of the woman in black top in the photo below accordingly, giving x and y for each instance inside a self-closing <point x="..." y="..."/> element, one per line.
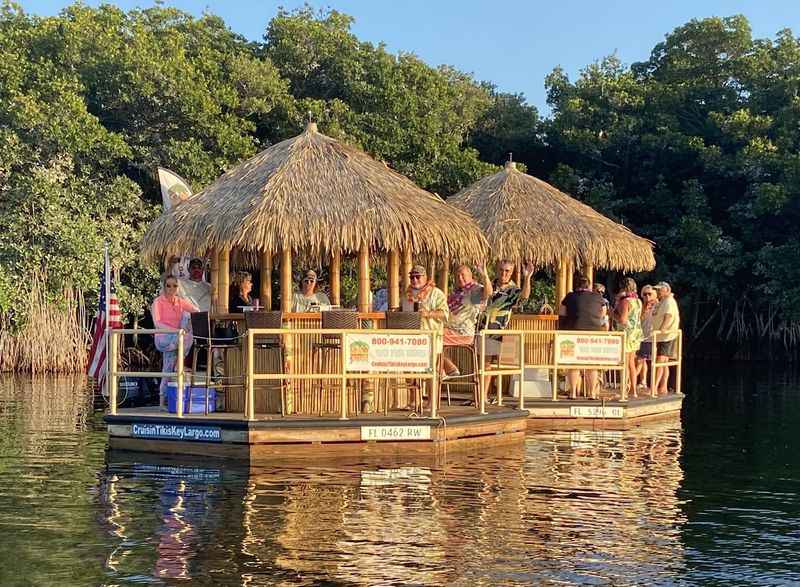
<point x="244" y="284"/>
<point x="582" y="309"/>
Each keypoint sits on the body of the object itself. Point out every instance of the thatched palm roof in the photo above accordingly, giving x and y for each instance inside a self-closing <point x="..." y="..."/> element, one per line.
<point x="527" y="219"/>
<point x="315" y="195"/>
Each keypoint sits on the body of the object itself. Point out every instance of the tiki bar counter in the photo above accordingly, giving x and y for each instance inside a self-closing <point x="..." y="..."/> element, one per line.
<point x="335" y="381"/>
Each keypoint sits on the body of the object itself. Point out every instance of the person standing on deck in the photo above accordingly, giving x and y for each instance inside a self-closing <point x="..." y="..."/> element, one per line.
<point x="667" y="321"/>
<point x="308" y="299"/>
<point x="195" y="289"/>
<point x="465" y="304"/>
<point x="583" y="309"/>
<point x="643" y="355"/>
<point x="628" y="317"/>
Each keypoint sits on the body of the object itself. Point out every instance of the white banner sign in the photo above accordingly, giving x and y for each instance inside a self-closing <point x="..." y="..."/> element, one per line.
<point x="387" y="353"/>
<point x="588" y="349"/>
<point x="393" y="433"/>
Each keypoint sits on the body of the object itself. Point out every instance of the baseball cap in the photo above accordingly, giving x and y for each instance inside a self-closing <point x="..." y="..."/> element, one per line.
<point x="419" y="269"/>
<point x="310" y="274"/>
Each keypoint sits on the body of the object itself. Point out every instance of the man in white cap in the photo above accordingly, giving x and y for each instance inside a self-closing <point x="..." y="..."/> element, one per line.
<point x="424" y="297"/>
<point x="308" y="299"/>
<point x="667" y="321"/>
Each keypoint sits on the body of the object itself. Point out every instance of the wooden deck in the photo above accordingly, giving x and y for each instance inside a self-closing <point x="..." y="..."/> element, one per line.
<point x="271" y="436"/>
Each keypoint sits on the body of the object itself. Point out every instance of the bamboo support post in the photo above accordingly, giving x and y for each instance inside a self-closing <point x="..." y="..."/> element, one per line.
<point x="286" y="280"/>
<point x="213" y="277"/>
<point x="111" y="379"/>
<point x="343" y="389"/>
<point x="431" y="269"/>
<point x="363" y="279"/>
<point x="179" y="378"/>
<point x="560" y="283"/>
<point x="588" y="273"/>
<point x="335" y="271"/>
<point x="393" y="279"/>
<point x="224" y="279"/>
<point x="482" y="382"/>
<point x="679" y="366"/>
<point x="570" y="277"/>
<point x="434" y="396"/>
<point x="265" y="289"/>
<point x="250" y="402"/>
<point x="405" y="269"/>
<point x="521" y="372"/>
<point x="444" y="275"/>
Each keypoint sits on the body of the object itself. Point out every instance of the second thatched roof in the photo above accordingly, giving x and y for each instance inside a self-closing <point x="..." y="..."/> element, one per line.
<point x="315" y="195"/>
<point x="527" y="219"/>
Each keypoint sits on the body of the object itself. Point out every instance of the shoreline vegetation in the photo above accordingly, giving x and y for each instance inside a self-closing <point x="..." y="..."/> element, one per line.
<point x="695" y="148"/>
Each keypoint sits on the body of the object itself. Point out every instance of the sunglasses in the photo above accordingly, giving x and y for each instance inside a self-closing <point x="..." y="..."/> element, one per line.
<point x="415" y="276"/>
<point x="168" y="286"/>
<point x="309" y="280"/>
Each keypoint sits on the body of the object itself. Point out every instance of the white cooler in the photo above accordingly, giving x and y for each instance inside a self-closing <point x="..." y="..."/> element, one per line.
<point x="536" y="384"/>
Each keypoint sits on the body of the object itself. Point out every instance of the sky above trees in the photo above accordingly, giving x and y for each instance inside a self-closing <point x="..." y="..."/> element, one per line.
<point x="513" y="44"/>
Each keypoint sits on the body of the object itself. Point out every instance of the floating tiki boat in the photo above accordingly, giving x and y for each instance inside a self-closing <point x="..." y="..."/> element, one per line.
<point x="310" y="385"/>
<point x="527" y="219"/>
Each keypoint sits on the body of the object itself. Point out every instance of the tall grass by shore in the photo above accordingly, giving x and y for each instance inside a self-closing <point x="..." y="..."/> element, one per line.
<point x="53" y="337"/>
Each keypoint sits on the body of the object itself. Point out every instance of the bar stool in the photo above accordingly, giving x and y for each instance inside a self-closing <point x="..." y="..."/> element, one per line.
<point x="333" y="320"/>
<point x="201" y="330"/>
<point x="405" y="321"/>
<point x="271" y="342"/>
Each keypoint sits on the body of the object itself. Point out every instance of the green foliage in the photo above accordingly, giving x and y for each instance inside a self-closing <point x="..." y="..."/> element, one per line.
<point x="695" y="148"/>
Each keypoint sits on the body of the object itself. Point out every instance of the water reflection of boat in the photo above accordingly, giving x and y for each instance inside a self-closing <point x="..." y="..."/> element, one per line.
<point x="559" y="510"/>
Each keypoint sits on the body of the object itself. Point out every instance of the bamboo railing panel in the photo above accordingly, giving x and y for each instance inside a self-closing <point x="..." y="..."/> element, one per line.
<point x="538" y="347"/>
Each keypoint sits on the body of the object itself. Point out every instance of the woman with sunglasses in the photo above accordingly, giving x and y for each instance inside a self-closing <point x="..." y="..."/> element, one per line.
<point x="169" y="310"/>
<point x="643" y="355"/>
<point x="308" y="299"/>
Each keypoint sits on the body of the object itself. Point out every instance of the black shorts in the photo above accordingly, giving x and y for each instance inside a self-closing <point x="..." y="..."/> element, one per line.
<point x="645" y="350"/>
<point x="665" y="348"/>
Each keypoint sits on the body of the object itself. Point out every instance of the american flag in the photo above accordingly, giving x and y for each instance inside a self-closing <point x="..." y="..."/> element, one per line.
<point x="97" y="356"/>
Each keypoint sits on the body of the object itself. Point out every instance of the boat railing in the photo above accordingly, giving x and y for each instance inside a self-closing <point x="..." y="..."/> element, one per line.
<point x="114" y="373"/>
<point x="558" y="351"/>
<point x="421" y="343"/>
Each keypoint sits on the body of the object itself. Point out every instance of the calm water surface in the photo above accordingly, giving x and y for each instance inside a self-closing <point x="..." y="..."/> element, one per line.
<point x="710" y="499"/>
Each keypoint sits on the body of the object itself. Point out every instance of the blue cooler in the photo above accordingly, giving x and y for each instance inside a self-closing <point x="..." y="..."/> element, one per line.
<point x="198" y="395"/>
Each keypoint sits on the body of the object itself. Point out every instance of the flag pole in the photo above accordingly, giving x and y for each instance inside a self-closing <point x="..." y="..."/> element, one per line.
<point x="107" y="286"/>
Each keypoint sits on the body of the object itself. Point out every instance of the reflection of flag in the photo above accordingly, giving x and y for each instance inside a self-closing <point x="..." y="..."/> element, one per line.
<point x="108" y="316"/>
<point x="174" y="189"/>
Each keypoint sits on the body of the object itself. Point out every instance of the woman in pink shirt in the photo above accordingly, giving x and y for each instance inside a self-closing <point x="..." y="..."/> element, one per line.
<point x="171" y="311"/>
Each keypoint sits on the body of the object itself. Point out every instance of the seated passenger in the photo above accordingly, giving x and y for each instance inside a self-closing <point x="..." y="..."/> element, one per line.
<point x="169" y="310"/>
<point x="582" y="309"/>
<point x="243" y="282"/>
<point x="465" y="303"/>
<point x="424" y="297"/>
<point x="308" y="299"/>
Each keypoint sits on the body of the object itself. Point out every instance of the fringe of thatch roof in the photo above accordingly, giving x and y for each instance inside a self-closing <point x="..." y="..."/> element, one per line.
<point x="315" y="195"/>
<point x="527" y="219"/>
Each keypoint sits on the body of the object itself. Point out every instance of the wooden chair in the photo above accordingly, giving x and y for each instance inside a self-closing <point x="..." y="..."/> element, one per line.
<point x="404" y="321"/>
<point x="333" y="320"/>
<point x="201" y="330"/>
<point x="271" y="342"/>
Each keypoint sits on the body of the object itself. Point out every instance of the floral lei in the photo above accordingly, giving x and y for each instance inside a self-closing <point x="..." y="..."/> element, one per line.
<point x="456" y="299"/>
<point x="422" y="294"/>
